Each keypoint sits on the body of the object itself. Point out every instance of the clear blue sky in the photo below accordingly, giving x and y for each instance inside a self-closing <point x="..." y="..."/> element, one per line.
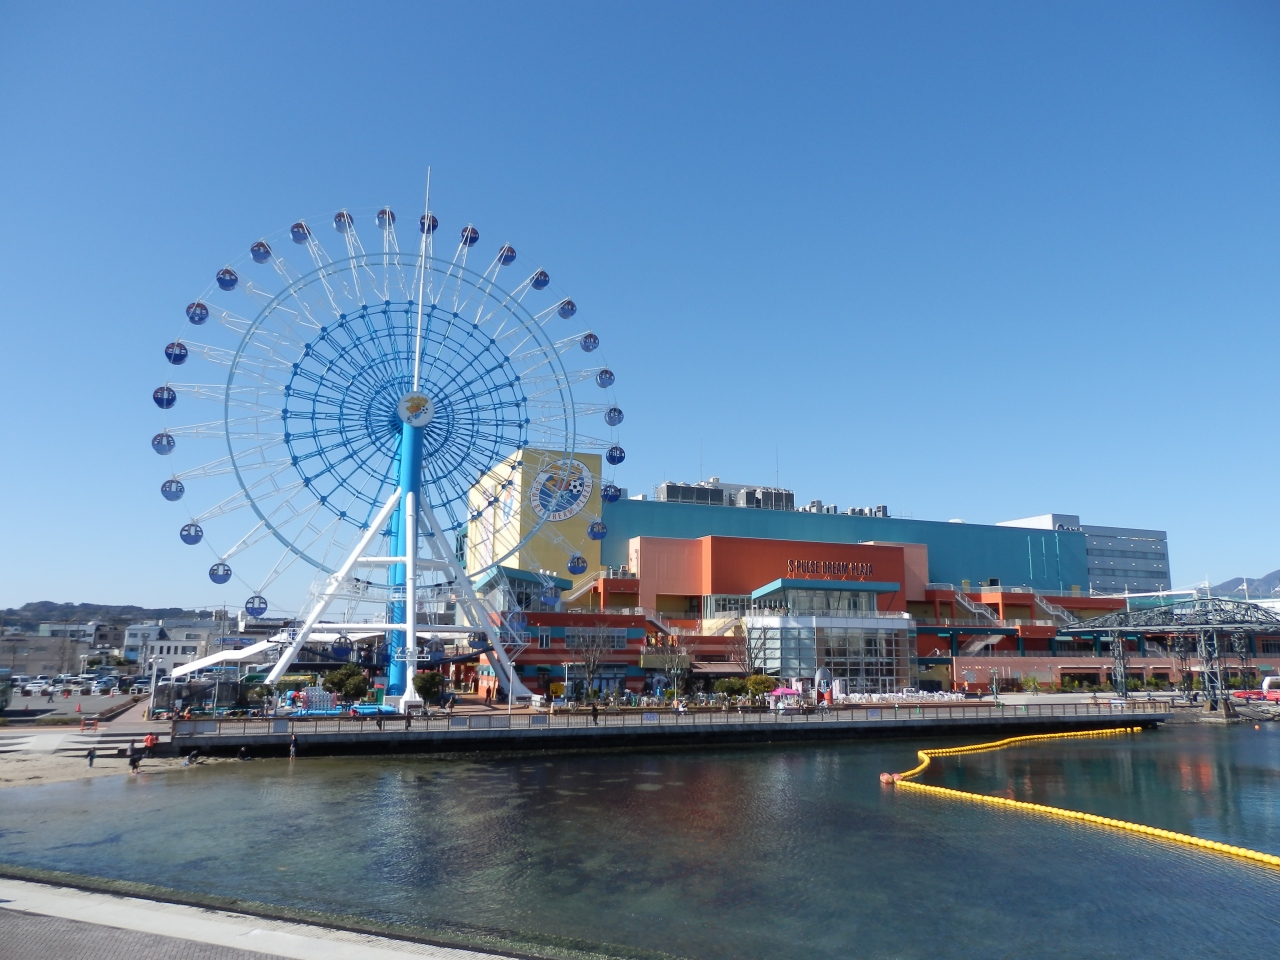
<point x="975" y="260"/>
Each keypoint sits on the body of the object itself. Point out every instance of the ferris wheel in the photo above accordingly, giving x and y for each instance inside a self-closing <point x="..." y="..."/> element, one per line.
<point x="355" y="402"/>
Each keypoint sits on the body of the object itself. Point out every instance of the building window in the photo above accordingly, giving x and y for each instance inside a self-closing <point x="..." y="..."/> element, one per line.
<point x="574" y="637"/>
<point x="187" y="651"/>
<point x="544" y="638"/>
<point x="191" y="636"/>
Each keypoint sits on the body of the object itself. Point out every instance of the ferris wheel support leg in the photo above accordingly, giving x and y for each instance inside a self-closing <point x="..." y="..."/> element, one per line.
<point x="475" y="610"/>
<point x="410" y="598"/>
<point x="335" y="584"/>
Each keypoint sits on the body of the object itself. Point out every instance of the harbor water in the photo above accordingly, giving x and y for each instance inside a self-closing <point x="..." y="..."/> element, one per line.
<point x="779" y="852"/>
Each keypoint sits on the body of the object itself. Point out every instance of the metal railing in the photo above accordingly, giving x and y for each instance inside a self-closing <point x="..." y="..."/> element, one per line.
<point x="862" y="714"/>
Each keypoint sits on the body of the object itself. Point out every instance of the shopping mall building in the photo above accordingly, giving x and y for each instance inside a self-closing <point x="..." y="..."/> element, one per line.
<point x="713" y="579"/>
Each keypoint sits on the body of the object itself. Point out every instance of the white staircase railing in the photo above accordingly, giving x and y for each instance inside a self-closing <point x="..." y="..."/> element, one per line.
<point x="1060" y="615"/>
<point x="980" y="610"/>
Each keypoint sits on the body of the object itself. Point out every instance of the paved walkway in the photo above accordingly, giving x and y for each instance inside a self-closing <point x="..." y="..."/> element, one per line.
<point x="40" y="922"/>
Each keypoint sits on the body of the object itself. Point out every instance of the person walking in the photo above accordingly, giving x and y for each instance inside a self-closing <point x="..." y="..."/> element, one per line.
<point x="293" y="746"/>
<point x="595" y="714"/>
<point x="93" y="752"/>
<point x="488" y="696"/>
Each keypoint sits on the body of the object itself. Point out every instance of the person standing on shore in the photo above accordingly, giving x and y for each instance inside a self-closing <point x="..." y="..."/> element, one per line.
<point x="293" y="746"/>
<point x="93" y="752"/>
<point x="595" y="713"/>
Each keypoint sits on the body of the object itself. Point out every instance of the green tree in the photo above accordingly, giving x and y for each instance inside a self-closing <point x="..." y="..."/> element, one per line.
<point x="335" y="681"/>
<point x="731" y="686"/>
<point x="356" y="687"/>
<point x="429" y="685"/>
<point x="758" y="684"/>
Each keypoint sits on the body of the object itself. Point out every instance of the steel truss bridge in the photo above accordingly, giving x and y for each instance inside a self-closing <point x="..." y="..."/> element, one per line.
<point x="1211" y="630"/>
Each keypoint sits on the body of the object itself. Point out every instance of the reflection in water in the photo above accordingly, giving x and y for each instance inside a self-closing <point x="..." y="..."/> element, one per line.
<point x="1202" y="780"/>
<point x="760" y="853"/>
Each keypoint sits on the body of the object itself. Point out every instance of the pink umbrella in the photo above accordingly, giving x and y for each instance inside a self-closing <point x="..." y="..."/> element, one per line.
<point x="785" y="692"/>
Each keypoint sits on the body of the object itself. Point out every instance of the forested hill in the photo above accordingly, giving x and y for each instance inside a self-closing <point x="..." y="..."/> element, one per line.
<point x="30" y="615"/>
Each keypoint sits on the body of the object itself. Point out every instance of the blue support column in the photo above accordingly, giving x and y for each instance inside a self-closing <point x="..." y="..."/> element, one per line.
<point x="409" y="464"/>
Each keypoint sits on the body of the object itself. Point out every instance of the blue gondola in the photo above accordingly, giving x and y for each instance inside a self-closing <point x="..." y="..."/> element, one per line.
<point x="427" y="223"/>
<point x="162" y="443"/>
<point x="260" y="252"/>
<point x="615" y="455"/>
<point x="567" y="309"/>
<point x="470" y="235"/>
<point x="227" y="278"/>
<point x="577" y="564"/>
<point x="507" y="255"/>
<point x="540" y="280"/>
<point x="176" y="352"/>
<point x="191" y="534"/>
<point x="604" y="378"/>
<point x="613" y="416"/>
<point x="342" y="221"/>
<point x="220" y="573"/>
<point x="517" y="621"/>
<point x="197" y="312"/>
<point x="255" y="606"/>
<point x="589" y="342"/>
<point x="550" y="596"/>
<point x="610" y="493"/>
<point x="386" y="218"/>
<point x="597" y="530"/>
<point x="172" y="490"/>
<point x="300" y="232"/>
<point x="164" y="397"/>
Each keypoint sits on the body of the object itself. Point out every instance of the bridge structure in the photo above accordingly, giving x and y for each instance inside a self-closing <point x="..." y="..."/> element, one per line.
<point x="1211" y="630"/>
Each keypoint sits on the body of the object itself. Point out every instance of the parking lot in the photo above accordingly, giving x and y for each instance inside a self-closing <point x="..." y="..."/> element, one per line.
<point x="61" y="706"/>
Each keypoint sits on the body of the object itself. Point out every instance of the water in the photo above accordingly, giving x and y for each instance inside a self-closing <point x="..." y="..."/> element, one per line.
<point x="751" y="853"/>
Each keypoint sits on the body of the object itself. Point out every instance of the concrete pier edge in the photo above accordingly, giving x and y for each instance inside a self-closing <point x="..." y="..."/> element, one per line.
<point x="511" y="944"/>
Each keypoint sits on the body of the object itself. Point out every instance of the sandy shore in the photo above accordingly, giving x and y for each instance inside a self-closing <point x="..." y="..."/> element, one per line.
<point x="30" y="770"/>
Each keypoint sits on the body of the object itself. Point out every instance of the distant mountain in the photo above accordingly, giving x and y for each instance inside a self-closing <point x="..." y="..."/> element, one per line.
<point x="30" y="615"/>
<point x="1262" y="588"/>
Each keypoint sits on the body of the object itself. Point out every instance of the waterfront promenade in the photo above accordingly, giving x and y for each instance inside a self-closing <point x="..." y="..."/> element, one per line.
<point x="496" y="730"/>
<point x="45" y="922"/>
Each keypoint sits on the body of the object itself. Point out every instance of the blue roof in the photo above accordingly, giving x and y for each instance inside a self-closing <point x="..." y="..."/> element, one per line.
<point x="512" y="573"/>
<point x="1048" y="560"/>
<point x="852" y="586"/>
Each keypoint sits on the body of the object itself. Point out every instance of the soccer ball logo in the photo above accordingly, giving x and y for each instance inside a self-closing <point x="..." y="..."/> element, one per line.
<point x="561" y="489"/>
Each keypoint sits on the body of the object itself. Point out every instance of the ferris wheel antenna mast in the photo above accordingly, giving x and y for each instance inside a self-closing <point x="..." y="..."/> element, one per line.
<point x="422" y="279"/>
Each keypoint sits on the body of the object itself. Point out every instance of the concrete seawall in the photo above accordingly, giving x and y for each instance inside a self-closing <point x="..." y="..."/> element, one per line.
<point x="493" y="733"/>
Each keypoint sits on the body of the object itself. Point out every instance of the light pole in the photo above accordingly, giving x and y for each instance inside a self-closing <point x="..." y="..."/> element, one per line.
<point x="151" y="706"/>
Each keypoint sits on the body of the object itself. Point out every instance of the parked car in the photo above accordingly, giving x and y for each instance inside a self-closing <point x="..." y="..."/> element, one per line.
<point x="21" y="680"/>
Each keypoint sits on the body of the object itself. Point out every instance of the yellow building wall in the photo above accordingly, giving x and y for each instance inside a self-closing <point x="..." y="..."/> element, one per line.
<point x="500" y="528"/>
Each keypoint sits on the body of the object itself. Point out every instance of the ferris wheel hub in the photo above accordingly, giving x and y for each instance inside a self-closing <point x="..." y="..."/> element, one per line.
<point x="416" y="408"/>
